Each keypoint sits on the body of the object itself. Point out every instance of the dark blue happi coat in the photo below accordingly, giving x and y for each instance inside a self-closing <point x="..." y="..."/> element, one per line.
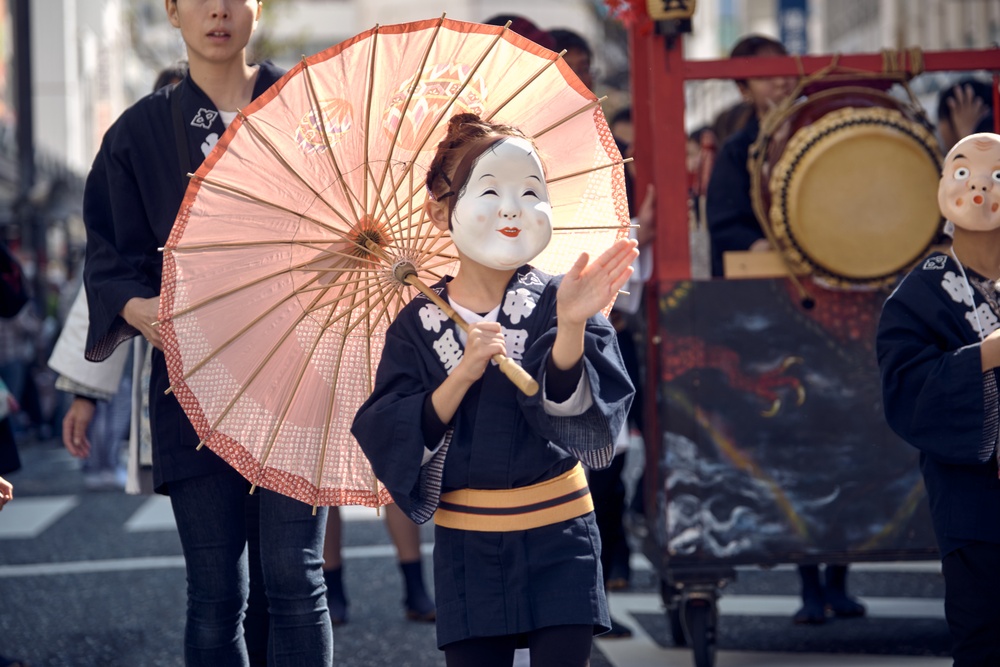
<point x="497" y="583"/>
<point x="132" y="196"/>
<point x="937" y="397"/>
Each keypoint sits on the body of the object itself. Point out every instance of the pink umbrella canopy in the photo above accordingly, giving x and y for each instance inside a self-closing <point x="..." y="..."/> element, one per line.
<point x="279" y="277"/>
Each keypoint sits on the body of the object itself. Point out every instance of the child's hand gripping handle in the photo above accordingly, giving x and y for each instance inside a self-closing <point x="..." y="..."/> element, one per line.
<point x="520" y="377"/>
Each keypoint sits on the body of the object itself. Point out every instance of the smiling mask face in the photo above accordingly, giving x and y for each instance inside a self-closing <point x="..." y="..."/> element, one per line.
<point x="502" y="218"/>
<point x="969" y="191"/>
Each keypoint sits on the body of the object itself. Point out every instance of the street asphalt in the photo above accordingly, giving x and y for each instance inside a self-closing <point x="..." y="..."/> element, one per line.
<point x="96" y="579"/>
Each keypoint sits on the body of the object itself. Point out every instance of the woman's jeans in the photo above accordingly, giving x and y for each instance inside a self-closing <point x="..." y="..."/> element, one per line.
<point x="211" y="516"/>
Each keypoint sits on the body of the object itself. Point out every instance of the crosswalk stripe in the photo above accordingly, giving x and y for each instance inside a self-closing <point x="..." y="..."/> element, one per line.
<point x="786" y="605"/>
<point x="166" y="562"/>
<point x="29" y="517"/>
<point x="156" y="514"/>
<point x="641" y="650"/>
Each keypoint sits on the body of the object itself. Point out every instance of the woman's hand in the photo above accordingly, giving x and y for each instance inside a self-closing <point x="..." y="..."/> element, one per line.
<point x="589" y="286"/>
<point x="141" y="314"/>
<point x="74" y="427"/>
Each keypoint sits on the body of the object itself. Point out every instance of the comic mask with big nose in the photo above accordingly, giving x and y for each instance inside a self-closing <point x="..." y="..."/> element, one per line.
<point x="969" y="191"/>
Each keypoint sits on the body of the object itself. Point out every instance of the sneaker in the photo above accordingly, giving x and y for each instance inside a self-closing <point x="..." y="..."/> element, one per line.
<point x="92" y="481"/>
<point x="110" y="481"/>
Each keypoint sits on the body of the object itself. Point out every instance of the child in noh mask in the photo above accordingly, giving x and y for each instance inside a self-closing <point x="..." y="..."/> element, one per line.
<point x="451" y="437"/>
<point x="939" y="354"/>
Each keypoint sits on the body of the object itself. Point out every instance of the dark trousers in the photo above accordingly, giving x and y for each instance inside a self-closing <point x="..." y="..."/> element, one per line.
<point x="608" y="492"/>
<point x="972" y="604"/>
<point x="554" y="646"/>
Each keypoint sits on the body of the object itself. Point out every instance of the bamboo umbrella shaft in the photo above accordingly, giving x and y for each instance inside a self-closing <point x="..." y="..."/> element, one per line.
<point x="520" y="377"/>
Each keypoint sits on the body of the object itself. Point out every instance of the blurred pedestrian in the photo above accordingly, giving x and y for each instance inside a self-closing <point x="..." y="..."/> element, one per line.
<point x="579" y="56"/>
<point x="13" y="297"/>
<point x="525" y="28"/>
<point x="133" y="193"/>
<point x="97" y="421"/>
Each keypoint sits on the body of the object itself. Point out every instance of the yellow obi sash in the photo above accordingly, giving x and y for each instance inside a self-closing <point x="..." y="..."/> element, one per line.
<point x="499" y="510"/>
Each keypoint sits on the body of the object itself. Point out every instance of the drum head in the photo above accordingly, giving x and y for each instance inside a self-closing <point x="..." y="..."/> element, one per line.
<point x="854" y="195"/>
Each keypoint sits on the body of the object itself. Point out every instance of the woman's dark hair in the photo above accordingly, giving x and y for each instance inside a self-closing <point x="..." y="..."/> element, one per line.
<point x="463" y="129"/>
<point x="169" y="75"/>
<point x="755" y="45"/>
<point x="525" y="28"/>
<point x="567" y="39"/>
<point x="623" y="115"/>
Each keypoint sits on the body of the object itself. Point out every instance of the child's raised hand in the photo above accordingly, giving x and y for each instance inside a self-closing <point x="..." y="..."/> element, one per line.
<point x="484" y="339"/>
<point x="588" y="287"/>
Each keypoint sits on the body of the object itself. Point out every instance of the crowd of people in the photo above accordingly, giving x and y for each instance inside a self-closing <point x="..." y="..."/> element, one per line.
<point x="251" y="604"/>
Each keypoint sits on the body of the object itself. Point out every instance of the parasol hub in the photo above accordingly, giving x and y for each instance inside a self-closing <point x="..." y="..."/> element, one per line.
<point x="403" y="269"/>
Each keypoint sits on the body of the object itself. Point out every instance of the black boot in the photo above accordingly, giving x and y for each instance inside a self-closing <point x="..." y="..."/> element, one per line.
<point x="835" y="592"/>
<point x="419" y="605"/>
<point x="336" y="599"/>
<point x="813" y="610"/>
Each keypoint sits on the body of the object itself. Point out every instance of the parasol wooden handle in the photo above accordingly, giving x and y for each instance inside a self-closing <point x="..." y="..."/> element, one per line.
<point x="520" y="377"/>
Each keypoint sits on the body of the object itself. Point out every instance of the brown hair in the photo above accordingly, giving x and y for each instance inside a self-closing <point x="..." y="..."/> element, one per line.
<point x="463" y="129"/>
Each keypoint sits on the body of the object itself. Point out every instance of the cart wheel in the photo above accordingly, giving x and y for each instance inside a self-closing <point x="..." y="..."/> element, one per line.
<point x="700" y="625"/>
<point x="676" y="627"/>
<point x="672" y="600"/>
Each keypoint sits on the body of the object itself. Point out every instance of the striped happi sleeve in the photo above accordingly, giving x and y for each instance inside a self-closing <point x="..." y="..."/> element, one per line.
<point x="991" y="412"/>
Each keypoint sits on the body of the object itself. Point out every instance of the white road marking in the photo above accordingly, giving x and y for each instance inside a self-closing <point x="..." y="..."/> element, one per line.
<point x="641" y="650"/>
<point x="154" y="514"/>
<point x="27" y="518"/>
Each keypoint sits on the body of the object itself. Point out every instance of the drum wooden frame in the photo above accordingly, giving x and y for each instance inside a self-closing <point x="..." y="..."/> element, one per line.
<point x="850" y="197"/>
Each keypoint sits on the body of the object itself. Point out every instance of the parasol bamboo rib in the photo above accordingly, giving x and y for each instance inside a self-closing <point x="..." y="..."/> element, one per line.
<point x="368" y="114"/>
<point x="530" y="80"/>
<point x="596" y="229"/>
<point x="194" y="369"/>
<point x="270" y="204"/>
<point x="380" y="286"/>
<point x="461" y="89"/>
<point x="279" y="421"/>
<point x="256" y="371"/>
<point x="569" y="117"/>
<point x="564" y="119"/>
<point x="396" y="218"/>
<point x="317" y="110"/>
<point x="238" y="288"/>
<point x="328" y="420"/>
<point x="584" y="172"/>
<point x="406" y="104"/>
<point x="250" y="125"/>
